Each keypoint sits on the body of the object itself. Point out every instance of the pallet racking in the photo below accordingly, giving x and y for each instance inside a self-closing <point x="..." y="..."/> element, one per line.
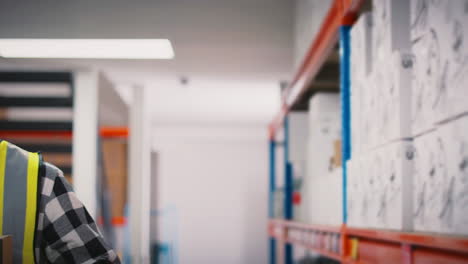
<point x="342" y="243"/>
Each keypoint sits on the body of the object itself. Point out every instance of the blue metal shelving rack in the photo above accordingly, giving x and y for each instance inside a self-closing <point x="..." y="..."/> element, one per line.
<point x="345" y="87"/>
<point x="288" y="191"/>
<point x="381" y="246"/>
<point x="272" y="187"/>
<point x="336" y="26"/>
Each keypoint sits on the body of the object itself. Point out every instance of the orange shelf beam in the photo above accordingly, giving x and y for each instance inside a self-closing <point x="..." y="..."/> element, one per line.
<point x="341" y="12"/>
<point x="114" y="132"/>
<point x="305" y="227"/>
<point x="105" y="132"/>
<point x="66" y="134"/>
<point x="434" y="241"/>
<point x="320" y="251"/>
<point x="376" y="246"/>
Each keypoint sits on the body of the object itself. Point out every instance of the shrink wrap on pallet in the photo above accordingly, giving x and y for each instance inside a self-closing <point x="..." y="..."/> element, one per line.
<point x="439" y="35"/>
<point x="391" y="28"/>
<point x="441" y="179"/>
<point x="394" y="178"/>
<point x="395" y="99"/>
<point x="361" y="65"/>
<point x="324" y="130"/>
<point x="431" y="181"/>
<point x="354" y="191"/>
<point x="361" y="46"/>
<point x="455" y="190"/>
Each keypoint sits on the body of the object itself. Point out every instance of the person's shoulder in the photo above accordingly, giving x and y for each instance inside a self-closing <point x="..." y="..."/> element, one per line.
<point x="51" y="171"/>
<point x="52" y="177"/>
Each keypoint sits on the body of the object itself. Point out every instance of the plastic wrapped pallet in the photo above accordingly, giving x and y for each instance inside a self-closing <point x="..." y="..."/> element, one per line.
<point x="441" y="185"/>
<point x="380" y="186"/>
<point x="386" y="102"/>
<point x="354" y="192"/>
<point x="439" y="32"/>
<point x="433" y="213"/>
<point x="457" y="65"/>
<point x="324" y="106"/>
<point x="374" y="181"/>
<point x="297" y="136"/>
<point x="333" y="195"/>
<point x="390" y="32"/>
<point x="356" y="119"/>
<point x="299" y="208"/>
<point x="363" y="197"/>
<point x="326" y="203"/>
<point x="391" y="28"/>
<point x="361" y="46"/>
<point x="395" y="122"/>
<point x="455" y="195"/>
<point x="370" y="114"/>
<point x="361" y="65"/>
<point x="380" y="80"/>
<point x="393" y="186"/>
<point x="324" y="130"/>
<point x="426" y="34"/>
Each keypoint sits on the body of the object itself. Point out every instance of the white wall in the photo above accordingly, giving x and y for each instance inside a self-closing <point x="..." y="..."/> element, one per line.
<point x="113" y="111"/>
<point x="216" y="178"/>
<point x="208" y="101"/>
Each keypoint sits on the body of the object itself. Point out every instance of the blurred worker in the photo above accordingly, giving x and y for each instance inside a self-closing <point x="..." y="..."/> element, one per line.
<point x="43" y="215"/>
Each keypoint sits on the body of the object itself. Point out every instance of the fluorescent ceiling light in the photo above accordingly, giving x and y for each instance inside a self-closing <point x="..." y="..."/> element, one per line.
<point x="87" y="48"/>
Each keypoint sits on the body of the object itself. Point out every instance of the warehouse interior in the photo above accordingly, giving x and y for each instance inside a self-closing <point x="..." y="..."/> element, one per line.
<point x="304" y="131"/>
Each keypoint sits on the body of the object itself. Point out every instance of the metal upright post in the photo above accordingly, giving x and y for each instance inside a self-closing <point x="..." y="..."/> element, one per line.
<point x="85" y="138"/>
<point x="345" y="54"/>
<point x="288" y="190"/>
<point x="271" y="197"/>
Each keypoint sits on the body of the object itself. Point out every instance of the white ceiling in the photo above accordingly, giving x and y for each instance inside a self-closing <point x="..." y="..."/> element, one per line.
<point x="231" y="45"/>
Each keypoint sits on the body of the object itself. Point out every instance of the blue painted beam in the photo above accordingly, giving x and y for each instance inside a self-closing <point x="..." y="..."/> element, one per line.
<point x="288" y="189"/>
<point x="288" y="208"/>
<point x="272" y="187"/>
<point x="345" y="86"/>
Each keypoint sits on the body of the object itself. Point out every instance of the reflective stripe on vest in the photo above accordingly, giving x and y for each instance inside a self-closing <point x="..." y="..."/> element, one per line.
<point x="19" y="172"/>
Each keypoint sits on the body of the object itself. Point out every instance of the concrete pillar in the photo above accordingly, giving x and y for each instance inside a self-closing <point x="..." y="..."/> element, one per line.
<point x="85" y="133"/>
<point x="139" y="177"/>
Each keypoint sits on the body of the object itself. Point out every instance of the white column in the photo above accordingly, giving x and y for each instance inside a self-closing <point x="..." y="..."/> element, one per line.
<point x="85" y="132"/>
<point x="139" y="177"/>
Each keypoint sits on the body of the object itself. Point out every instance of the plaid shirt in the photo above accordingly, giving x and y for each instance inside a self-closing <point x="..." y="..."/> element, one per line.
<point x="65" y="231"/>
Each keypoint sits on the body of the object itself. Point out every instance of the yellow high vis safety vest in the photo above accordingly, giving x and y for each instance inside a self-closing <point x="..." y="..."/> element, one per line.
<point x="19" y="176"/>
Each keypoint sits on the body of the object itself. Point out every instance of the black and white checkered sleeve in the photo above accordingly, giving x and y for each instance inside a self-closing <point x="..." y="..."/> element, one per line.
<point x="68" y="233"/>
